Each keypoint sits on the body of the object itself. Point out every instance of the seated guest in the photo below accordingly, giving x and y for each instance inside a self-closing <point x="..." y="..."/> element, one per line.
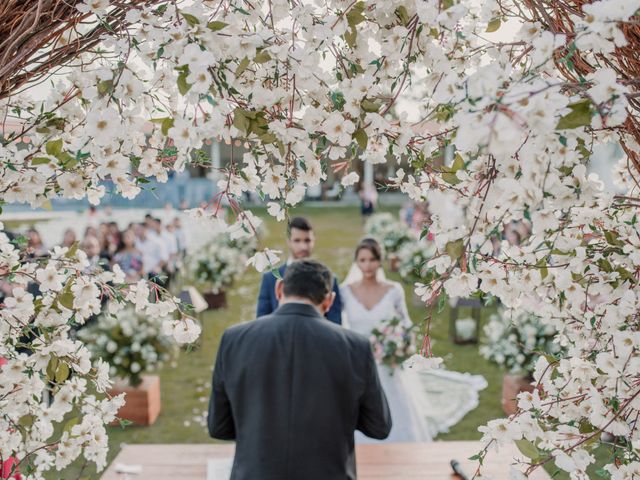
<point x="69" y="238"/>
<point x="97" y="260"/>
<point x="35" y="246"/>
<point x="181" y="236"/>
<point x="154" y="253"/>
<point x="128" y="257"/>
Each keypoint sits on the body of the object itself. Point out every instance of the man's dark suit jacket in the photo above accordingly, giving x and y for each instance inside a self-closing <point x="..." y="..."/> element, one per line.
<point x="268" y="303"/>
<point x="291" y="389"/>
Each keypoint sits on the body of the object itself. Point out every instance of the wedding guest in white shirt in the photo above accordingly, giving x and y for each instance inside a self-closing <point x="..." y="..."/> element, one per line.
<point x="154" y="252"/>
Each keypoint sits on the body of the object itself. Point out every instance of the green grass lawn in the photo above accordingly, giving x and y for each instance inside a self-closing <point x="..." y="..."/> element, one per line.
<point x="185" y="388"/>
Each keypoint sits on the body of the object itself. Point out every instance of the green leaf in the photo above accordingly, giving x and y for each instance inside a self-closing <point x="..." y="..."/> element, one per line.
<point x="167" y="123"/>
<point x="350" y="37"/>
<point x="276" y="273"/>
<point x="26" y="420"/>
<point x="192" y="20"/>
<point x="54" y="147"/>
<point x="449" y="173"/>
<point x="354" y="15"/>
<point x="580" y="116"/>
<point x="612" y="238"/>
<point x="442" y="300"/>
<point x="544" y="272"/>
<point x="40" y="161"/>
<point x="104" y="87"/>
<point x="586" y="427"/>
<point x="262" y="56"/>
<point x="183" y="85"/>
<point x="242" y="66"/>
<point x="66" y="297"/>
<point x="370" y="106"/>
<point x="240" y="120"/>
<point x="402" y="13"/>
<point x="454" y="249"/>
<point x="493" y="25"/>
<point x="70" y="424"/>
<point x="73" y="249"/>
<point x="528" y="449"/>
<point x="216" y="26"/>
<point x="361" y="137"/>
<point x="337" y="98"/>
<point x="52" y="366"/>
<point x="67" y="160"/>
<point x="124" y="422"/>
<point x="267" y="138"/>
<point x="62" y="372"/>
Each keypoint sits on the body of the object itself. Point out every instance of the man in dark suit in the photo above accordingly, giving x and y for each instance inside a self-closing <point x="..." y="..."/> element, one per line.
<point x="291" y="388"/>
<point x="300" y="240"/>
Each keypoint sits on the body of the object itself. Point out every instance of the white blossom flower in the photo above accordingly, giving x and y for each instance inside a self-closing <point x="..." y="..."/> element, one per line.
<point x="350" y="179"/>
<point x="104" y="125"/>
<point x="265" y="259"/>
<point x="276" y="211"/>
<point x="98" y="7"/>
<point x="49" y="278"/>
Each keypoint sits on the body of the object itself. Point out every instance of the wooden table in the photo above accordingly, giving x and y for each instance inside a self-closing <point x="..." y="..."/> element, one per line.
<point x="394" y="461"/>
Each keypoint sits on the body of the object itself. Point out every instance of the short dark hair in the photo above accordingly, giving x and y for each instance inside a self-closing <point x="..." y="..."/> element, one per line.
<point x="308" y="279"/>
<point x="372" y="245"/>
<point x="300" y="223"/>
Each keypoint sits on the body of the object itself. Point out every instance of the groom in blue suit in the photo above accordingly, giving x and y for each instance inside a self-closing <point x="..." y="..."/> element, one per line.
<point x="300" y="241"/>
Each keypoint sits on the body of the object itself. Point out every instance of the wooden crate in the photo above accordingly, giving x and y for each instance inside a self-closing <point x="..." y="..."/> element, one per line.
<point x="512" y="385"/>
<point x="142" y="405"/>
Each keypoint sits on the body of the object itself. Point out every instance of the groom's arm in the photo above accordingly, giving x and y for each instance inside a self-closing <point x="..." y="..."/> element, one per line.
<point x="220" y="420"/>
<point x="335" y="312"/>
<point x="264" y="297"/>
<point x="374" y="417"/>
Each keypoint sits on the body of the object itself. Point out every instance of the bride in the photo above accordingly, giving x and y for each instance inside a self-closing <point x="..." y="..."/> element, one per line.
<point x="367" y="300"/>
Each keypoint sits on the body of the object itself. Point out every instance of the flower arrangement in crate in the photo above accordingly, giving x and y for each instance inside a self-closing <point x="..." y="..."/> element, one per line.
<point x="515" y="342"/>
<point x="217" y="265"/>
<point x="132" y="344"/>
<point x="390" y="233"/>
<point x="393" y="342"/>
<point x="413" y="257"/>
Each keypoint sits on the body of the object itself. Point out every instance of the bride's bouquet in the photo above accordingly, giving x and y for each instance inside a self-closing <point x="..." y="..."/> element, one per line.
<point x="393" y="342"/>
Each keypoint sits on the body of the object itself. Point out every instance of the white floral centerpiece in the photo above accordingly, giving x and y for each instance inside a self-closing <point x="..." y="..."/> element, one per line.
<point x="516" y="341"/>
<point x="133" y="344"/>
<point x="390" y="232"/>
<point x="218" y="264"/>
<point x="413" y="260"/>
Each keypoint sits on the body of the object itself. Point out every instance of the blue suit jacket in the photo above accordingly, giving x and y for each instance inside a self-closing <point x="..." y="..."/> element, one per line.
<point x="268" y="303"/>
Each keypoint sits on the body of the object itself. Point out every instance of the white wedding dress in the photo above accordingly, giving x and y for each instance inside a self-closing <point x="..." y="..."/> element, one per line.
<point x="408" y="424"/>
